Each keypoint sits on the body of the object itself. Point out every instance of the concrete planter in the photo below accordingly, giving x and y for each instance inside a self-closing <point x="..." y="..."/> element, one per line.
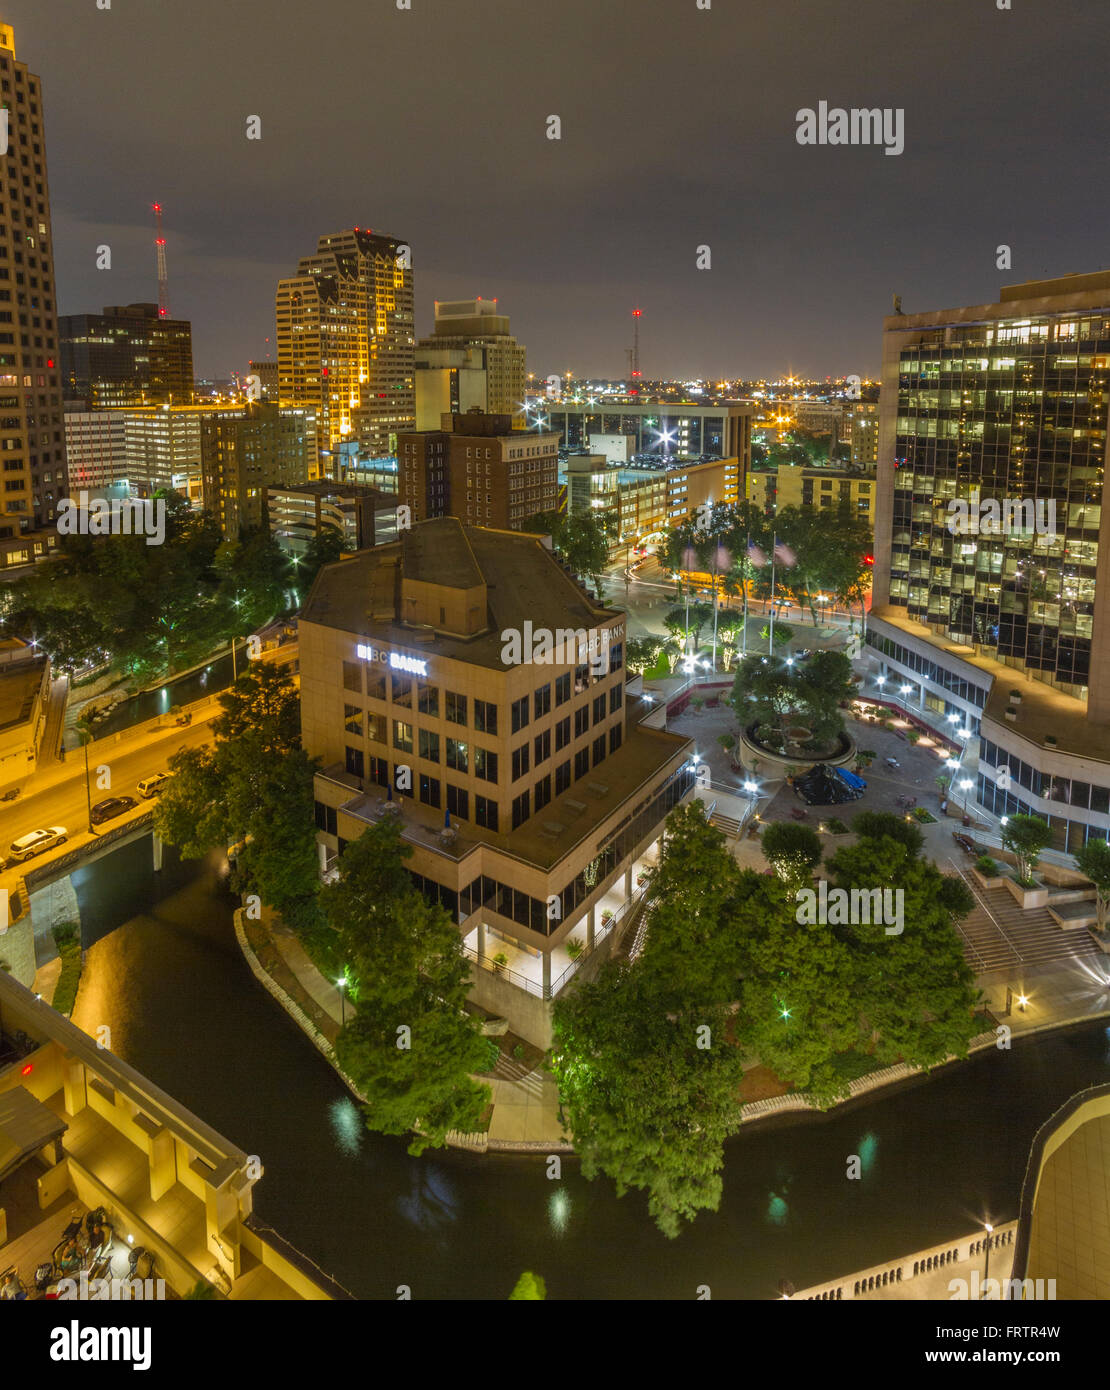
<point x="1028" y="897"/>
<point x="1102" y="942"/>
<point x="994" y="882"/>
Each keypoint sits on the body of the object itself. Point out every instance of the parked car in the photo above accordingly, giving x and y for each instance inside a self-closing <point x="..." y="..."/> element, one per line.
<point x="154" y="785"/>
<point x="37" y="842"/>
<point x="111" y="807"/>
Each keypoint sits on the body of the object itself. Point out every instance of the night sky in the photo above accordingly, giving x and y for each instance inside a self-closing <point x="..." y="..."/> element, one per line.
<point x="678" y="131"/>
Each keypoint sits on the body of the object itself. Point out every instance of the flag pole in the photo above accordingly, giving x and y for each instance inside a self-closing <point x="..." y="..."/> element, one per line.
<point x="774" y="547"/>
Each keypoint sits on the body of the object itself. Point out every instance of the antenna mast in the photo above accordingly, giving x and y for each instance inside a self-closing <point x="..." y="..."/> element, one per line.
<point x="163" y="276"/>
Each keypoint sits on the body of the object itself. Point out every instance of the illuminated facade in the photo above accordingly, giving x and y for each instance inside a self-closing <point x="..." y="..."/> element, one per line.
<point x="529" y="783"/>
<point x="681" y="431"/>
<point x="346" y="344"/>
<point x="243" y="450"/>
<point x="126" y="356"/>
<point x="1006" y="631"/>
<point x="31" y="429"/>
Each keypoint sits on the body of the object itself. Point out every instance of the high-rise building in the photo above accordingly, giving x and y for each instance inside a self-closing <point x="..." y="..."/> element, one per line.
<point x="96" y="448"/>
<point x="267" y="374"/>
<point x="126" y="356"/>
<point x="471" y="360"/>
<point x="861" y="421"/>
<point x="479" y="469"/>
<point x="345" y="342"/>
<point x="244" y="449"/>
<point x="991" y="602"/>
<point x="31" y="428"/>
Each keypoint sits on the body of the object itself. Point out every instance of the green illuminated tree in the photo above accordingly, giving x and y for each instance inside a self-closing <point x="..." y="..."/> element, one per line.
<point x="1094" y="861"/>
<point x="1025" y="837"/>
<point x="410" y="1047"/>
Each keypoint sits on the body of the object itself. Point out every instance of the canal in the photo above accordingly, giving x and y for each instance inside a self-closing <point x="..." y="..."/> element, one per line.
<point x="165" y="973"/>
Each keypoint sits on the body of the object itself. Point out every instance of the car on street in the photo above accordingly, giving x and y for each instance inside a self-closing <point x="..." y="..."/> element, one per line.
<point x="111" y="807"/>
<point x="37" y="842"/>
<point x="154" y="785"/>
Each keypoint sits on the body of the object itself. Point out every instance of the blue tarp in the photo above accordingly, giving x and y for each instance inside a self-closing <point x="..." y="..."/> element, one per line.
<point x="850" y="779"/>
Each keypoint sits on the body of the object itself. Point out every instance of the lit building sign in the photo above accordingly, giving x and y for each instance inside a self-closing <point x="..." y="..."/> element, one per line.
<point x="413" y="665"/>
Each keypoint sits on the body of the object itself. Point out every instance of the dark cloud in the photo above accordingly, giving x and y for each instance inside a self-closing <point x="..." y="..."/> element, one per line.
<point x="678" y="131"/>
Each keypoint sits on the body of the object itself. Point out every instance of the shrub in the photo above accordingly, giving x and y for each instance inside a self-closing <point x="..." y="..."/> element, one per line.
<point x="574" y="948"/>
<point x="924" y="816"/>
<point x="836" y="826"/>
<point x="986" y="866"/>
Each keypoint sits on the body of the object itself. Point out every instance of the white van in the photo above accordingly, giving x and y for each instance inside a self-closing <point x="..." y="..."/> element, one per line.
<point x="37" y="842"/>
<point x="153" y="786"/>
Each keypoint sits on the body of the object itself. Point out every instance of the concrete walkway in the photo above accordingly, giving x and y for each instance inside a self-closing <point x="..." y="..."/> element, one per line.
<point x="525" y="1101"/>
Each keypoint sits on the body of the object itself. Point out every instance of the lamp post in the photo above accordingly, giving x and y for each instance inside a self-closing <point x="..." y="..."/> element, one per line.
<point x="85" y="735"/>
<point x="342" y="983"/>
<point x="987" y="1265"/>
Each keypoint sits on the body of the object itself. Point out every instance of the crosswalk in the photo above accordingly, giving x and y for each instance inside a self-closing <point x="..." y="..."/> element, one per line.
<point x="998" y="934"/>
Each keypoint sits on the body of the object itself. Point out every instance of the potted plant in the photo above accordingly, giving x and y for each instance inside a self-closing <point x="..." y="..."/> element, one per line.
<point x="606" y="916"/>
<point x="574" y="948"/>
<point x="500" y="961"/>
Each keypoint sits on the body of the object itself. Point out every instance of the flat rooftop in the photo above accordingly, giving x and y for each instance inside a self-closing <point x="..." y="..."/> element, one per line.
<point x="523" y="579"/>
<point x="19" y="684"/>
<point x="1042" y="710"/>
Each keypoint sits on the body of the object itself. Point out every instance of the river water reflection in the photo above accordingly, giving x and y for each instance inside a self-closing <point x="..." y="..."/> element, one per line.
<point x="165" y="973"/>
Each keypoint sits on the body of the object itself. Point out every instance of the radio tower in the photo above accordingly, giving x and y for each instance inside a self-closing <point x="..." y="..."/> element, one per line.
<point x="163" y="277"/>
<point x="634" y="351"/>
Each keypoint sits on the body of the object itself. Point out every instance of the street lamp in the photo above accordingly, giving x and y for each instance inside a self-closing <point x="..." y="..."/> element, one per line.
<point x="342" y="983"/>
<point x="987" y="1266"/>
<point x="85" y="735"/>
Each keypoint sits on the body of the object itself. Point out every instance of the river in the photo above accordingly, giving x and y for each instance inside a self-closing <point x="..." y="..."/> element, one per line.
<point x="165" y="973"/>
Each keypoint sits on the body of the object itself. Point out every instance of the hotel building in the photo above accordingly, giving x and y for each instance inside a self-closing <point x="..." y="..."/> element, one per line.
<point x="31" y="429"/>
<point x="478" y="468"/>
<point x="533" y="793"/>
<point x="1007" y="633"/>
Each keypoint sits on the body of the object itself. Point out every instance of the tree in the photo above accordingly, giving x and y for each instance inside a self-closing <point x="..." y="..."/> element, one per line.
<point x="641" y="653"/>
<point x="411" y="1046"/>
<point x="793" y="851"/>
<point x="325" y="547"/>
<point x="253" y="786"/>
<point x="877" y="825"/>
<point x="647" y="1105"/>
<point x="1094" y="862"/>
<point x="1025" y="837"/>
<point x="691" y="950"/>
<point x="528" y="1287"/>
<point x="912" y="987"/>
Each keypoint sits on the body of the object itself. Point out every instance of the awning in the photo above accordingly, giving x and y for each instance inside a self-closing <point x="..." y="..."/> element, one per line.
<point x="26" y="1125"/>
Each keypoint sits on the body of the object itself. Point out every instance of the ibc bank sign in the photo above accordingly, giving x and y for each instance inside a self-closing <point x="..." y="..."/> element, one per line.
<point x="413" y="665"/>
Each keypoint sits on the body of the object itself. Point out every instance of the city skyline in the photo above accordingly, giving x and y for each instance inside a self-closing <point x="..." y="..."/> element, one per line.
<point x="610" y="216"/>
